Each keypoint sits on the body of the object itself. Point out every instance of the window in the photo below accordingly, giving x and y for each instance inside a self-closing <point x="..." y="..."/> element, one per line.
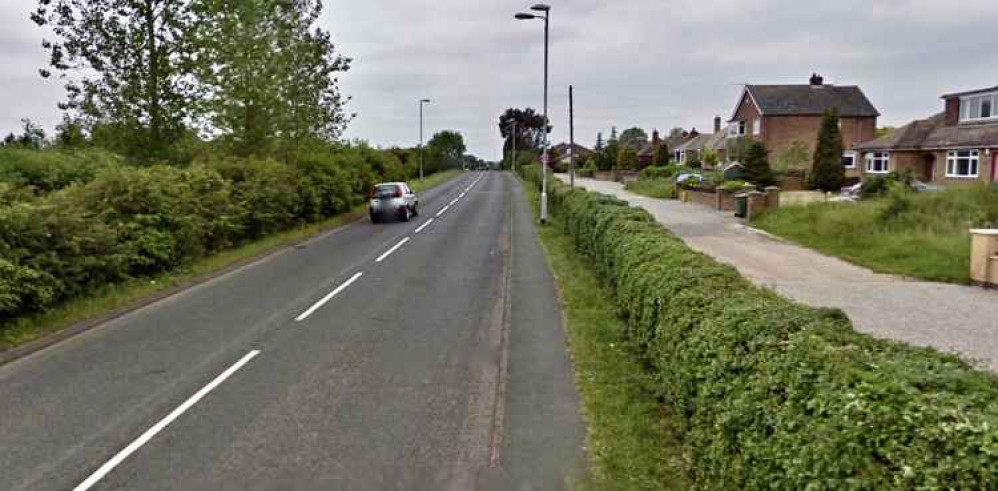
<point x="737" y="128"/>
<point x="678" y="156"/>
<point x="978" y="107"/>
<point x="741" y="128"/>
<point x="962" y="163"/>
<point x="877" y="162"/>
<point x="757" y="126"/>
<point x="849" y="160"/>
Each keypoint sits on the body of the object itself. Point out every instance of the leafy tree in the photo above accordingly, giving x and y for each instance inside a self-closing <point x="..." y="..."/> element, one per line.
<point x="607" y="158"/>
<point x="676" y="132"/>
<point x="530" y="127"/>
<point x="662" y="155"/>
<point x="634" y="138"/>
<point x="627" y="159"/>
<point x="884" y="131"/>
<point x="125" y="61"/>
<point x="710" y="158"/>
<point x="70" y="133"/>
<point x="827" y="172"/>
<point x="444" y="151"/>
<point x="757" y="165"/>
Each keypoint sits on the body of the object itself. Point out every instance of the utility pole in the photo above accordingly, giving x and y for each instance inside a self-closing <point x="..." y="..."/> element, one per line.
<point x="512" y="164"/>
<point x="421" y="102"/>
<point x="571" y="140"/>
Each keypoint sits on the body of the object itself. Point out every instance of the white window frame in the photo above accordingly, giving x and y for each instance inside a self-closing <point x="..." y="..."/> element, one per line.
<point x="973" y="158"/>
<point x="881" y="157"/>
<point x="757" y="126"/>
<point x="678" y="154"/>
<point x="966" y="103"/>
<point x="852" y="157"/>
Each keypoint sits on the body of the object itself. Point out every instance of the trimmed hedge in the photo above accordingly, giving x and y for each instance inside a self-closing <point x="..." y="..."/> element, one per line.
<point x="770" y="394"/>
<point x="124" y="222"/>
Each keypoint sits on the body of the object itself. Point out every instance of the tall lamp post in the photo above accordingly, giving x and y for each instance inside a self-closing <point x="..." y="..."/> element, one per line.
<point x="512" y="163"/>
<point x="545" y="14"/>
<point x="421" y="102"/>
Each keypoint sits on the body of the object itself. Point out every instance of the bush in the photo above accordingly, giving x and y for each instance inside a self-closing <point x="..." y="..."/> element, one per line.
<point x="657" y="172"/>
<point x="769" y="394"/>
<point x="733" y="186"/>
<point x="879" y="185"/>
<point x="44" y="171"/>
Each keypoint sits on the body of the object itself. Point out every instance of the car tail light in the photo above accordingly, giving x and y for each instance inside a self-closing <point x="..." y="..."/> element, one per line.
<point x="398" y="192"/>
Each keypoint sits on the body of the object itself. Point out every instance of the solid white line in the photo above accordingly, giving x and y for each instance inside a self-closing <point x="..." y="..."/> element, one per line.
<point x="421" y="227"/>
<point x="325" y="299"/>
<point x="151" y="432"/>
<point x="393" y="249"/>
<point x="442" y="210"/>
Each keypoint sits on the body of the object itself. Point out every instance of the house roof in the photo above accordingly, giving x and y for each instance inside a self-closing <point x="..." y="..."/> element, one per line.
<point x="579" y="149"/>
<point x="932" y="133"/>
<point x="969" y="92"/>
<point x="709" y="141"/>
<point x="807" y="100"/>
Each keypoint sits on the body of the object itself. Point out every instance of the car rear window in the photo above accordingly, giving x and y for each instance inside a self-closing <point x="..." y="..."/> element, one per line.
<point x="386" y="190"/>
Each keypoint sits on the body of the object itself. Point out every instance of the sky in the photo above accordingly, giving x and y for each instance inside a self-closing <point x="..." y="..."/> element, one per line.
<point x="655" y="64"/>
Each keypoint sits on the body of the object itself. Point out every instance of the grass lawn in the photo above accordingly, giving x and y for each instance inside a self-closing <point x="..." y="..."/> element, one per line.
<point x="923" y="235"/>
<point x="653" y="188"/>
<point x="630" y="447"/>
<point x="111" y="297"/>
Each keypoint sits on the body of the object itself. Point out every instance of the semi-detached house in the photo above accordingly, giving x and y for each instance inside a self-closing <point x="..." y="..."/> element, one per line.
<point x="958" y="145"/>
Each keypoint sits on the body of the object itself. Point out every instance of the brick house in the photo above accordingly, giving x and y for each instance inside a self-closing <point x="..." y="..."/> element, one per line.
<point x="780" y="115"/>
<point x="958" y="145"/>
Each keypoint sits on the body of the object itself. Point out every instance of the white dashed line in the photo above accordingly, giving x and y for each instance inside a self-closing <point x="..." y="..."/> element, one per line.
<point x="390" y="251"/>
<point x="163" y="423"/>
<point x="443" y="210"/>
<point x="304" y="315"/>
<point x="421" y="227"/>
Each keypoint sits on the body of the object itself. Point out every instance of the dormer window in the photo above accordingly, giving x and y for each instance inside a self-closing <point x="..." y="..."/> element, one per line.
<point x="979" y="107"/>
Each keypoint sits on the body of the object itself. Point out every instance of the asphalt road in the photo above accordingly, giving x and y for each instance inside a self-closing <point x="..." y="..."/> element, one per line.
<point x="422" y="355"/>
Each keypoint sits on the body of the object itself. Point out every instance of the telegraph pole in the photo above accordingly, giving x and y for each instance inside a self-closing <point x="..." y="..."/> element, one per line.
<point x="571" y="140"/>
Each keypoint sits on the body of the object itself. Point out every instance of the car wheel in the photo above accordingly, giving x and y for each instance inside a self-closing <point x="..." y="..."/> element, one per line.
<point x="415" y="210"/>
<point x="407" y="215"/>
<point x="375" y="218"/>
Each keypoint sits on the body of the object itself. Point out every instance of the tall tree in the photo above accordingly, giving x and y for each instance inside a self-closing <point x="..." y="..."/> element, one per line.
<point x="663" y="154"/>
<point x="445" y="150"/>
<point x="634" y="138"/>
<point x="125" y="61"/>
<point x="530" y="127"/>
<point x="627" y="159"/>
<point x="827" y="172"/>
<point x="757" y="165"/>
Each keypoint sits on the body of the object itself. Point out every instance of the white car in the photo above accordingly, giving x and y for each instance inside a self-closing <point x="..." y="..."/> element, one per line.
<point x="393" y="199"/>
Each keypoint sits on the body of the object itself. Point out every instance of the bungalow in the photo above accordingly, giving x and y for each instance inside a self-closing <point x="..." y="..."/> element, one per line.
<point x="564" y="151"/>
<point x="693" y="150"/>
<point x="958" y="145"/>
<point x="780" y="116"/>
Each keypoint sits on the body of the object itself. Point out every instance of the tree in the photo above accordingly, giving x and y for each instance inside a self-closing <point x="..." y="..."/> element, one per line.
<point x="797" y="156"/>
<point x="607" y="158"/>
<point x="676" y="132"/>
<point x="125" y="61"/>
<point x="444" y="151"/>
<point x="627" y="159"/>
<point x="530" y="127"/>
<point x="662" y="155"/>
<point x="634" y="138"/>
<point x="70" y="133"/>
<point x="757" y="165"/>
<point x="827" y="172"/>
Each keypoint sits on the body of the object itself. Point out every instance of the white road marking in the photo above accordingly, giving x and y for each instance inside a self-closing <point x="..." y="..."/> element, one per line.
<point x="443" y="210"/>
<point x="304" y="315"/>
<point x="151" y="432"/>
<point x="390" y="251"/>
<point x="421" y="227"/>
<point x="453" y="201"/>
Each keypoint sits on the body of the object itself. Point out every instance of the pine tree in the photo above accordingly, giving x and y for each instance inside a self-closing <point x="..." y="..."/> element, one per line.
<point x="662" y="155"/>
<point x="757" y="165"/>
<point x="827" y="172"/>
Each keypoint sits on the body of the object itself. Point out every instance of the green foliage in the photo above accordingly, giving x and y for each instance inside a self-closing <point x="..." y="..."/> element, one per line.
<point x="709" y="158"/>
<point x="529" y="129"/>
<point x="797" y="157"/>
<point x="49" y="170"/>
<point x="588" y="169"/>
<point x="769" y="394"/>
<point x="658" y="172"/>
<point x="663" y="156"/>
<point x="445" y="151"/>
<point x="733" y="186"/>
<point x="737" y="148"/>
<point x="634" y="138"/>
<point x="653" y="188"/>
<point x="757" y="165"/>
<point x="828" y="174"/>
<point x="876" y="186"/>
<point x="627" y="159"/>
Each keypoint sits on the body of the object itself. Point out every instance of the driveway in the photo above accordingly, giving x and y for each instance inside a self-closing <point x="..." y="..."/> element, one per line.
<point x="952" y="318"/>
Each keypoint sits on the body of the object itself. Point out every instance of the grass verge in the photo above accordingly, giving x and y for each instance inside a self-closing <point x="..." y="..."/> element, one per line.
<point x="630" y="444"/>
<point x="653" y="188"/>
<point x="922" y="235"/>
<point x="121" y="295"/>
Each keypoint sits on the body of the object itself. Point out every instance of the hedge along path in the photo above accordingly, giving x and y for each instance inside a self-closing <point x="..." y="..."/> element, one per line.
<point x="770" y="394"/>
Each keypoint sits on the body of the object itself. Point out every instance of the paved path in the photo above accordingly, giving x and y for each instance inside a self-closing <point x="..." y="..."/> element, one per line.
<point x="952" y="318"/>
<point x="442" y="367"/>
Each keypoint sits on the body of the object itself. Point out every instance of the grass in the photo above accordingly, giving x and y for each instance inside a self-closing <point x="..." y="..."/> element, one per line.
<point x="653" y="188"/>
<point x="922" y="235"/>
<point x="630" y="444"/>
<point x="116" y="296"/>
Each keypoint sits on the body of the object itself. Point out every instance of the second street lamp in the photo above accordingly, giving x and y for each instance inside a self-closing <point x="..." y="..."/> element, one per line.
<point x="421" y="102"/>
<point x="545" y="14"/>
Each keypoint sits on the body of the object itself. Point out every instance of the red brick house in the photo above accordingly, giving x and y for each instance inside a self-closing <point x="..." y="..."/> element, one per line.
<point x="780" y="115"/>
<point x="958" y="145"/>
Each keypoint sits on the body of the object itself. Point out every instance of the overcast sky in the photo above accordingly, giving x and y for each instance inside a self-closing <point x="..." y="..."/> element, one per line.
<point x="648" y="63"/>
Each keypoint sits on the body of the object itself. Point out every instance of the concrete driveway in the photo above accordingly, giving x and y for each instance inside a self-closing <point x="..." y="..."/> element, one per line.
<point x="952" y="318"/>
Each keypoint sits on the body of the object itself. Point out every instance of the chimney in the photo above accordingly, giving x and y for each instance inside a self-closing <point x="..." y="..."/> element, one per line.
<point x="717" y="124"/>
<point x="694" y="132"/>
<point x="817" y="80"/>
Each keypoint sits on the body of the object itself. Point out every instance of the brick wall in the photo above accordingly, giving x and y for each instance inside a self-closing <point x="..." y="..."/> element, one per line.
<point x="779" y="132"/>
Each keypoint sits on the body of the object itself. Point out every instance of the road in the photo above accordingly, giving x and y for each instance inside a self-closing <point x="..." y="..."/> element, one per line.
<point x="951" y="318"/>
<point x="422" y="355"/>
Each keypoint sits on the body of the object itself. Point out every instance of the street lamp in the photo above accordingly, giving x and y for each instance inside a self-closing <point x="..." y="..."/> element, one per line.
<point x="545" y="14"/>
<point x="421" y="102"/>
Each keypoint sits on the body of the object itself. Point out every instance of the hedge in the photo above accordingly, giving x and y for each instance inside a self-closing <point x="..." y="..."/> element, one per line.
<point x="770" y="394"/>
<point x="125" y="222"/>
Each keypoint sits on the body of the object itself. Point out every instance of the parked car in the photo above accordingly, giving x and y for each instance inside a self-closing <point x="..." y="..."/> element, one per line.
<point x="393" y="199"/>
<point x="681" y="178"/>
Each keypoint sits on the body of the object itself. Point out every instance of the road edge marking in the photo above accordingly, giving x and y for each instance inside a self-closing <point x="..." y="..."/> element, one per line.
<point x="163" y="423"/>
<point x="304" y="315"/>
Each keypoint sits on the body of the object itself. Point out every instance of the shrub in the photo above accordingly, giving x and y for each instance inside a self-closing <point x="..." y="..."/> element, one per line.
<point x="769" y="394"/>
<point x="657" y="172"/>
<point x="757" y="165"/>
<point x="879" y="185"/>
<point x="45" y="171"/>
<point x="733" y="186"/>
<point x="828" y="174"/>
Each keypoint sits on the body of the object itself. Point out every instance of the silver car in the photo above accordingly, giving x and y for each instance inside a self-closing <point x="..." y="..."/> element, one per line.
<point x="393" y="199"/>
